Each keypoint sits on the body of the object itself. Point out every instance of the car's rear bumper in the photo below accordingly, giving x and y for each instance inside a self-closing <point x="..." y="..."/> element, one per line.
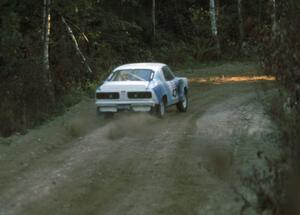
<point x="116" y="106"/>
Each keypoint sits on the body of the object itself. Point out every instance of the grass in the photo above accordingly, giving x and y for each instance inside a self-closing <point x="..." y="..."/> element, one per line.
<point x="5" y="141"/>
<point x="75" y="128"/>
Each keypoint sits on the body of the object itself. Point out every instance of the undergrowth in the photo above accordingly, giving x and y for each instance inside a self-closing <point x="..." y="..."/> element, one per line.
<point x="285" y="172"/>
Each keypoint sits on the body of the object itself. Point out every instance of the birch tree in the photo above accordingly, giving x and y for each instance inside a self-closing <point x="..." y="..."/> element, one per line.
<point x="213" y="21"/>
<point x="79" y="52"/>
<point x="46" y="38"/>
<point x="46" y="75"/>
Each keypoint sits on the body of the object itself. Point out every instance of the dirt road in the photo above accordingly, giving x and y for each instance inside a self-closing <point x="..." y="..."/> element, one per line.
<point x="191" y="163"/>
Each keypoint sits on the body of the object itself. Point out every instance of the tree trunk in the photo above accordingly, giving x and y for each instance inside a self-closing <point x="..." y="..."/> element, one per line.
<point x="153" y="20"/>
<point x="274" y="16"/>
<point x="46" y="38"/>
<point x="217" y="2"/>
<point x="241" y="25"/>
<point x="259" y="13"/>
<point x="179" y="20"/>
<point x="46" y="76"/>
<point x="214" y="28"/>
<point x="79" y="52"/>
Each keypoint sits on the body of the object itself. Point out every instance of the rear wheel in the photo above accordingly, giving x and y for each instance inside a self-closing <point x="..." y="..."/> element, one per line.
<point x="182" y="106"/>
<point x="161" y="109"/>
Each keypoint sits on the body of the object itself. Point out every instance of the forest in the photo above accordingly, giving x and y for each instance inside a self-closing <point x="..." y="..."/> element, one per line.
<point x="40" y="63"/>
<point x="55" y="53"/>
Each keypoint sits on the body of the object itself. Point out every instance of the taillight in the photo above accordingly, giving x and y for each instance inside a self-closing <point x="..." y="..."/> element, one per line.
<point x="139" y="95"/>
<point x="107" y="96"/>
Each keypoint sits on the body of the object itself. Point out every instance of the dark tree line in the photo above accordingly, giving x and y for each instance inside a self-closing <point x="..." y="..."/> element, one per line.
<point x="281" y="48"/>
<point x="51" y="48"/>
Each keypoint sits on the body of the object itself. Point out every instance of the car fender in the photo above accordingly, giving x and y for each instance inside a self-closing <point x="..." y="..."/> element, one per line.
<point x="182" y="85"/>
<point x="159" y="91"/>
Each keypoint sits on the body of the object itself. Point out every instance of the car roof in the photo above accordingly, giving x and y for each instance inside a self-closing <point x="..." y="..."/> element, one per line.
<point x="153" y="66"/>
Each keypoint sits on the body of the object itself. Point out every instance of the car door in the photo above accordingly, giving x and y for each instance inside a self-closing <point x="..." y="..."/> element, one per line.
<point x="170" y="85"/>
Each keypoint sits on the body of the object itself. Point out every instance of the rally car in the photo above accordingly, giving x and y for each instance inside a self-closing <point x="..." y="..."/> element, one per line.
<point x="142" y="87"/>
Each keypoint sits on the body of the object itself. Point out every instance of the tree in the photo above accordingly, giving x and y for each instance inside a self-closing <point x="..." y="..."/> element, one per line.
<point x="46" y="38"/>
<point x="214" y="28"/>
<point x="260" y="4"/>
<point x="274" y="16"/>
<point x="153" y="19"/>
<point x="241" y="24"/>
<point x="79" y="52"/>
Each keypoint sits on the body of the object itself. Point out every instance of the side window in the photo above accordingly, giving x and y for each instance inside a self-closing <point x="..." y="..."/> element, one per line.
<point x="167" y="73"/>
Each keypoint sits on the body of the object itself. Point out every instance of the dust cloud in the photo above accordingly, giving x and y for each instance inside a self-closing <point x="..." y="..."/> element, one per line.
<point x="130" y="125"/>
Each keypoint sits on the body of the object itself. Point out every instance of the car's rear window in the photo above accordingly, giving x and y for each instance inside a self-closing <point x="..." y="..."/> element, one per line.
<point x="132" y="75"/>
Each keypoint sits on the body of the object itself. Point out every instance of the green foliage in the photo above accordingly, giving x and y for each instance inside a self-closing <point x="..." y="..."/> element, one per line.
<point x="173" y="54"/>
<point x="72" y="98"/>
<point x="109" y="33"/>
<point x="280" y="55"/>
<point x="7" y="117"/>
<point x="10" y="35"/>
<point x="90" y="88"/>
<point x="280" y="50"/>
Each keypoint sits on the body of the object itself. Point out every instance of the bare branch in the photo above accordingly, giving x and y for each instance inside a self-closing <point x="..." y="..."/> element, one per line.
<point x="79" y="52"/>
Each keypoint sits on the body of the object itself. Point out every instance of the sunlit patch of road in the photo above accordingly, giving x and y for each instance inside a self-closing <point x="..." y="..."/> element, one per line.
<point x="230" y="79"/>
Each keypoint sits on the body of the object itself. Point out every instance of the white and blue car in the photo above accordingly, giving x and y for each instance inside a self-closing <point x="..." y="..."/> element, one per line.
<point x="142" y="87"/>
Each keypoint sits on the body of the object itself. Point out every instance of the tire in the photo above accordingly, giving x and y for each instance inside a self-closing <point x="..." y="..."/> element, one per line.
<point x="182" y="106"/>
<point x="161" y="109"/>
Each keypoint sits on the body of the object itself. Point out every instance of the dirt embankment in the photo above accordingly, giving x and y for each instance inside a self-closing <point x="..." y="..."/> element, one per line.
<point x="192" y="163"/>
